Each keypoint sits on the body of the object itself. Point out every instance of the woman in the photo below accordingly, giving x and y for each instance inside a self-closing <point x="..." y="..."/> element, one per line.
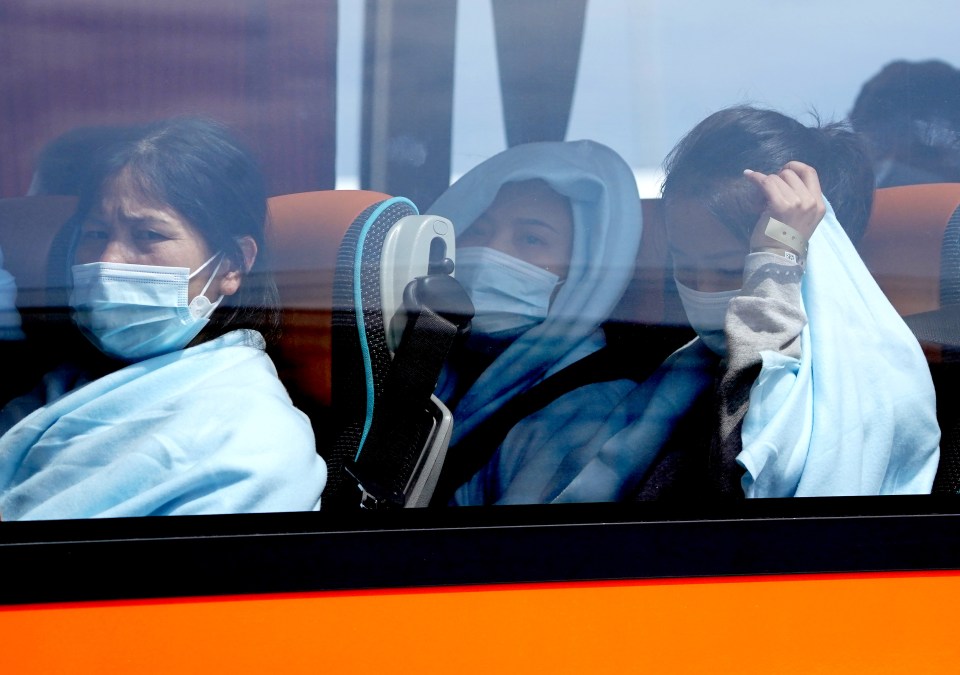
<point x="547" y="238"/>
<point x="843" y="403"/>
<point x="184" y="413"/>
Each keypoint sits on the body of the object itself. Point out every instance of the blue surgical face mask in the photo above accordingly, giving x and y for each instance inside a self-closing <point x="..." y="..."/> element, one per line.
<point x="707" y="313"/>
<point x="509" y="295"/>
<point x="135" y="312"/>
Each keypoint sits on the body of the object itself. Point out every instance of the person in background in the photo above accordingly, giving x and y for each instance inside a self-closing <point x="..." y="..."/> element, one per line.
<point x="909" y="113"/>
<point x="176" y="409"/>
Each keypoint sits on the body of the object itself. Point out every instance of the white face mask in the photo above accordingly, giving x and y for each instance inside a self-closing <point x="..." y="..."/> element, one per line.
<point x="508" y="294"/>
<point x="134" y="312"/>
<point x="707" y="313"/>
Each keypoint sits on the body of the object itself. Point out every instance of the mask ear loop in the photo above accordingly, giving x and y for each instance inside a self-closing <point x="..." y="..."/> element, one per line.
<point x="554" y="292"/>
<point x="200" y="306"/>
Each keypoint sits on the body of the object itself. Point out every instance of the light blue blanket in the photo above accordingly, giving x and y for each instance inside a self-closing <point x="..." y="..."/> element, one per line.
<point x="594" y="443"/>
<point x="856" y="415"/>
<point x="209" y="429"/>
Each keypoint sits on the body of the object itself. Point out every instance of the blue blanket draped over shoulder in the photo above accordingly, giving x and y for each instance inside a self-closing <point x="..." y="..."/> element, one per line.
<point x="856" y="415"/>
<point x="209" y="429"/>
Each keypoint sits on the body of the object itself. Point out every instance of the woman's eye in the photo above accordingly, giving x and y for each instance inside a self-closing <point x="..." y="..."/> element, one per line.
<point x="150" y="236"/>
<point x="533" y="240"/>
<point x="93" y="235"/>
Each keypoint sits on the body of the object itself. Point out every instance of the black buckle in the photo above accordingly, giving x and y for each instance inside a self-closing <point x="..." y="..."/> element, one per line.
<point x="443" y="295"/>
<point x="373" y="496"/>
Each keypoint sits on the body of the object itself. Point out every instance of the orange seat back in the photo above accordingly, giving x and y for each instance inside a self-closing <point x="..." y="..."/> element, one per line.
<point x="304" y="235"/>
<point x="904" y="242"/>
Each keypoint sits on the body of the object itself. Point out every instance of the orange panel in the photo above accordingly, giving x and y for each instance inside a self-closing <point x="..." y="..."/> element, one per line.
<point x="862" y="623"/>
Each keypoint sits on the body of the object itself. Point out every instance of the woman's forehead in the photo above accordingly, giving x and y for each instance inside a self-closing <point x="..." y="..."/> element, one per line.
<point x="695" y="232"/>
<point x="523" y="198"/>
<point x="125" y="201"/>
<point x="131" y="206"/>
<point x="127" y="187"/>
<point x="529" y="191"/>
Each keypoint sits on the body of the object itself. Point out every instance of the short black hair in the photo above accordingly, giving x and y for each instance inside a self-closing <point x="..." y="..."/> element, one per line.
<point x="707" y="165"/>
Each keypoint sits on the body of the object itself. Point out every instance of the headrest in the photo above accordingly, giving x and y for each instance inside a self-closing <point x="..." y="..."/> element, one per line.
<point x="304" y="234"/>
<point x="903" y="243"/>
<point x="651" y="298"/>
<point x="28" y="229"/>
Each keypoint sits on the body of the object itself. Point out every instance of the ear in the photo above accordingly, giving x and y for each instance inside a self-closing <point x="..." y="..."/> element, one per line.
<point x="231" y="280"/>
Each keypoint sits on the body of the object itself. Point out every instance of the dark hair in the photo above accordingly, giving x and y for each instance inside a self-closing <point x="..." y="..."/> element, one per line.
<point x="707" y="165"/>
<point x="910" y="112"/>
<point x="197" y="167"/>
<point x="65" y="163"/>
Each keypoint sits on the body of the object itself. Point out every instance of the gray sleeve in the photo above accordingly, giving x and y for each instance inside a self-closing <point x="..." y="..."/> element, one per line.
<point x="768" y="315"/>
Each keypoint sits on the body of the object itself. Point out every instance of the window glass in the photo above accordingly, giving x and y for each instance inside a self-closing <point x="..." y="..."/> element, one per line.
<point x="570" y="274"/>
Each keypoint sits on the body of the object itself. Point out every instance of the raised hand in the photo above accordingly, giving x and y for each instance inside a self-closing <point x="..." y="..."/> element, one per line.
<point x="793" y="196"/>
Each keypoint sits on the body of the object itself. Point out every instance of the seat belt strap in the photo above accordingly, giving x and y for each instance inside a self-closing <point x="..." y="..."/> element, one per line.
<point x="438" y="312"/>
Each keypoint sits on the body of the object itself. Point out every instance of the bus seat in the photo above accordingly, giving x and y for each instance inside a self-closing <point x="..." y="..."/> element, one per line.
<point x="651" y="298"/>
<point x="33" y="238"/>
<point x="304" y="235"/>
<point x="29" y="229"/>
<point x="912" y="247"/>
<point x="906" y="244"/>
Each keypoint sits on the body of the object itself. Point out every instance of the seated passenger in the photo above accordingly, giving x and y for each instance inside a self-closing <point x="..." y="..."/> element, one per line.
<point x="179" y="410"/>
<point x="909" y="114"/>
<point x="843" y="402"/>
<point x="547" y="238"/>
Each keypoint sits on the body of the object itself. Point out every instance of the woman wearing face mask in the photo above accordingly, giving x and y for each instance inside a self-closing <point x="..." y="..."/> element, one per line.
<point x="182" y="413"/>
<point x="822" y="389"/>
<point x="547" y="238"/>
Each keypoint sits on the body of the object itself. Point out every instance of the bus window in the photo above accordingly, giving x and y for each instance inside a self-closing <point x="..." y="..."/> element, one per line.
<point x="576" y="150"/>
